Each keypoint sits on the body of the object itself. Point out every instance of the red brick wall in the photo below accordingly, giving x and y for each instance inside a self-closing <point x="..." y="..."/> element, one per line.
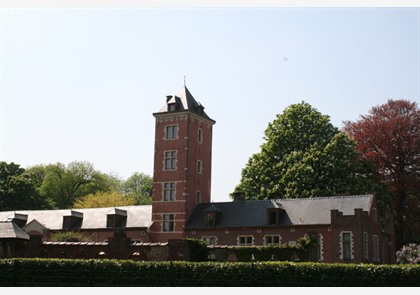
<point x="188" y="180"/>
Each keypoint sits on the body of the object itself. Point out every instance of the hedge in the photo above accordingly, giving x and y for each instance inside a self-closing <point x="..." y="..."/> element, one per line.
<point x="127" y="273"/>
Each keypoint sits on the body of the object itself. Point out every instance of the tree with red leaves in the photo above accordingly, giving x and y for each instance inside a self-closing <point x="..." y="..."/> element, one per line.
<point x="389" y="136"/>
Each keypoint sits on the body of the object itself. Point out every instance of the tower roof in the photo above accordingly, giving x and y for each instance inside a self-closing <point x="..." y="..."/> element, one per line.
<point x="184" y="101"/>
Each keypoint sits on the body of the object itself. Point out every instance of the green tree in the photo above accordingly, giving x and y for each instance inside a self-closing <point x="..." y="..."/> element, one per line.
<point x="139" y="185"/>
<point x="304" y="155"/>
<point x="63" y="185"/>
<point x="104" y="199"/>
<point x="17" y="189"/>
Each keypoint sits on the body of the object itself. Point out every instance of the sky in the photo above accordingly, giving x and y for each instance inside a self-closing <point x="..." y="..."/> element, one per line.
<point x="82" y="83"/>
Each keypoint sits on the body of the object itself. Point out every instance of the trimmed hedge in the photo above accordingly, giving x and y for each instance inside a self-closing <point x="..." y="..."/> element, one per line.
<point x="126" y="273"/>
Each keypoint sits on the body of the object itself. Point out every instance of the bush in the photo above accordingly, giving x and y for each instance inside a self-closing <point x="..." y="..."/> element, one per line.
<point x="409" y="254"/>
<point x="68" y="236"/>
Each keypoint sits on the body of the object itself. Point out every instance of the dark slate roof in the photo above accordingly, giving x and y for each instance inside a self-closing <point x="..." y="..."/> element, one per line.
<point x="9" y="230"/>
<point x="93" y="218"/>
<point x="308" y="211"/>
<point x="186" y="102"/>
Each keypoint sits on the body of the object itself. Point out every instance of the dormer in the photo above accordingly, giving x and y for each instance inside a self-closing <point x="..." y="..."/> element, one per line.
<point x="173" y="103"/>
<point x="275" y="213"/>
<point x="18" y="219"/>
<point x="212" y="215"/>
<point x="72" y="220"/>
<point x="116" y="218"/>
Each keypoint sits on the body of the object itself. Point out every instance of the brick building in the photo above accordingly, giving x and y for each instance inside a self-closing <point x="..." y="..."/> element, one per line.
<point x="348" y="228"/>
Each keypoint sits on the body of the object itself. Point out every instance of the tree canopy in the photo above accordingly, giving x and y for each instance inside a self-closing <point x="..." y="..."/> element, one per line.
<point x="17" y="189"/>
<point x="140" y="186"/>
<point x="304" y="155"/>
<point x="104" y="199"/>
<point x="389" y="136"/>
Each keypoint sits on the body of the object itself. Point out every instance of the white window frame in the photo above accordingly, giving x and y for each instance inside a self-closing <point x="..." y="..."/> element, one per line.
<point x="246" y="242"/>
<point x="210" y="240"/>
<point x="168" y="222"/>
<point x="320" y="247"/>
<point x="266" y="237"/>
<point x="169" y="191"/>
<point x="171" y="132"/>
<point x="170" y="160"/>
<point x="350" y="244"/>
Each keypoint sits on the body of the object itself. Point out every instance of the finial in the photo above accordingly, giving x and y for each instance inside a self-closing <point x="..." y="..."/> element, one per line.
<point x="185" y="80"/>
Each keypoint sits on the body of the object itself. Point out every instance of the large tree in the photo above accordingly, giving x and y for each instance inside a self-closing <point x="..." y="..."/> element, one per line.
<point x="17" y="189"/>
<point x="62" y="185"/>
<point x="140" y="186"/>
<point x="304" y="155"/>
<point x="389" y="136"/>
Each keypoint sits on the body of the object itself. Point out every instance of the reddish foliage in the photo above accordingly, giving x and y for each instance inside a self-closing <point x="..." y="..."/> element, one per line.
<point x="389" y="136"/>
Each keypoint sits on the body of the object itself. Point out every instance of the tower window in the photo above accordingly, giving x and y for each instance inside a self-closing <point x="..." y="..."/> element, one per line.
<point x="172" y="107"/>
<point x="169" y="191"/>
<point x="170" y="160"/>
<point x="198" y="197"/>
<point x="200" y="135"/>
<point x="168" y="223"/>
<point x="171" y="132"/>
<point x="199" y="166"/>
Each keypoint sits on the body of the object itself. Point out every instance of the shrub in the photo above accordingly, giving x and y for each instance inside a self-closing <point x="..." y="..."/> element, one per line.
<point x="68" y="236"/>
<point x="409" y="254"/>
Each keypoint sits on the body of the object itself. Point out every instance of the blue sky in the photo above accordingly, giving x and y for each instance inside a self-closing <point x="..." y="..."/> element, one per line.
<point x="82" y="84"/>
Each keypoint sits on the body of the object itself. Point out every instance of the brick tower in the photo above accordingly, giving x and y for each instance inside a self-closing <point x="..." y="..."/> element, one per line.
<point x="182" y="164"/>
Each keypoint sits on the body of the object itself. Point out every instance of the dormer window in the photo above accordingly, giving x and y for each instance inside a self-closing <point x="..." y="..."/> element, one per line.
<point x="19" y="219"/>
<point x="210" y="218"/>
<point x="116" y="218"/>
<point x="274" y="215"/>
<point x="211" y="215"/>
<point x="72" y="220"/>
<point x="171" y="107"/>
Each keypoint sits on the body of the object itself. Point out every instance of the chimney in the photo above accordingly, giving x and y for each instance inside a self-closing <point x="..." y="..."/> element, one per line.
<point x="238" y="196"/>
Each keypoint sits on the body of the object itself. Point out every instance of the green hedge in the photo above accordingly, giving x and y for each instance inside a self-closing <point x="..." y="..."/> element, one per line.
<point x="127" y="273"/>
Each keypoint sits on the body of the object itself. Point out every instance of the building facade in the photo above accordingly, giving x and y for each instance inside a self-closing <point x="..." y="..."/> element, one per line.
<point x="348" y="228"/>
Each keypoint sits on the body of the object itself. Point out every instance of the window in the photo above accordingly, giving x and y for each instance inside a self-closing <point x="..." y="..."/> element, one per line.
<point x="375" y="248"/>
<point x="198" y="197"/>
<point x="169" y="191"/>
<point x="170" y="160"/>
<point x="272" y="240"/>
<point x="245" y="240"/>
<point x="374" y="217"/>
<point x="365" y="246"/>
<point x="319" y="248"/>
<point x="171" y="132"/>
<point x="171" y="107"/>
<point x="168" y="224"/>
<point x="272" y="217"/>
<point x="210" y="218"/>
<point x="210" y="240"/>
<point x="200" y="135"/>
<point x="346" y="246"/>
<point x="199" y="166"/>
